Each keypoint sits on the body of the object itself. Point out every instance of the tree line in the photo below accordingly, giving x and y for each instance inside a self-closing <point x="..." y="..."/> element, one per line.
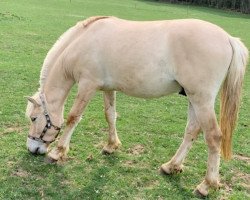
<point x="237" y="5"/>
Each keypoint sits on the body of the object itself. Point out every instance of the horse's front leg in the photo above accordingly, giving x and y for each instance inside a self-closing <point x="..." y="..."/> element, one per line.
<point x="84" y="95"/>
<point x="110" y="113"/>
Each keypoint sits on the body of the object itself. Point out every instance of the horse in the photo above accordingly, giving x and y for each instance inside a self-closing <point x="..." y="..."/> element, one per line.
<point x="146" y="59"/>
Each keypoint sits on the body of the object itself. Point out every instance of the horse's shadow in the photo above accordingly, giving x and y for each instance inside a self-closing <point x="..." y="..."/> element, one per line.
<point x="99" y="179"/>
<point x="176" y="183"/>
<point x="32" y="168"/>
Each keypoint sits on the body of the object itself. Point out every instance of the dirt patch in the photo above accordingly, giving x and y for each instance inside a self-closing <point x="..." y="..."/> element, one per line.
<point x="12" y="130"/>
<point x="135" y="164"/>
<point x="241" y="179"/>
<point x="152" y="184"/>
<point x="41" y="192"/>
<point x="90" y="157"/>
<point x="136" y="150"/>
<point x="10" y="16"/>
<point x="10" y="164"/>
<point x="129" y="163"/>
<point x="242" y="158"/>
<point x="20" y="173"/>
<point x="100" y="145"/>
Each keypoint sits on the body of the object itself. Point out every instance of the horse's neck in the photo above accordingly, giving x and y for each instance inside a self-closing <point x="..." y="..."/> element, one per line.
<point x="56" y="88"/>
<point x="52" y="81"/>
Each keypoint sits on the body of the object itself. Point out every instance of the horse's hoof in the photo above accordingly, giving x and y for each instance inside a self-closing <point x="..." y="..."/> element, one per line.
<point x="200" y="194"/>
<point x="50" y="160"/>
<point x="163" y="171"/>
<point x="109" y="149"/>
<point x="167" y="169"/>
<point x="106" y="151"/>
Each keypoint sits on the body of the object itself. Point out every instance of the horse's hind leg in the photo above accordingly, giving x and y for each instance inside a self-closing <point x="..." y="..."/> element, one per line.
<point x="85" y="93"/>
<point x="110" y="113"/>
<point x="207" y="119"/>
<point x="191" y="133"/>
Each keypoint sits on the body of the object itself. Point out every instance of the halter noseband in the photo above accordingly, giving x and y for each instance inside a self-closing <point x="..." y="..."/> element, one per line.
<point x="48" y="125"/>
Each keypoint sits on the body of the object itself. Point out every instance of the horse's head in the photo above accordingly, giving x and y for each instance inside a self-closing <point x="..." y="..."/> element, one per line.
<point x="43" y="129"/>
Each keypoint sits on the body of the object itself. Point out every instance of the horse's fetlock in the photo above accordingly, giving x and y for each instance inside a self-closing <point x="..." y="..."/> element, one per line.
<point x="63" y="149"/>
<point x="213" y="182"/>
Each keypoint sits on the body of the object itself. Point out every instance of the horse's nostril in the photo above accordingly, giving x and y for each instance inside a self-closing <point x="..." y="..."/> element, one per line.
<point x="36" y="152"/>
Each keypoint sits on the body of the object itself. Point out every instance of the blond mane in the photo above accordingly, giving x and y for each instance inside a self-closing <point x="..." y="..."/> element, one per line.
<point x="69" y="36"/>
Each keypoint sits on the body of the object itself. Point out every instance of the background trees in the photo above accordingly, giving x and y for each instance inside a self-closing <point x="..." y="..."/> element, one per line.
<point x="238" y="5"/>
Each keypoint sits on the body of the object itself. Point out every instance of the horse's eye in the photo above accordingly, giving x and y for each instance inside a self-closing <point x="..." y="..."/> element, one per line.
<point x="33" y="119"/>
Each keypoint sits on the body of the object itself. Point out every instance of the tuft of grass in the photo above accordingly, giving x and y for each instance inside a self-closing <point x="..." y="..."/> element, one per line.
<point x="150" y="130"/>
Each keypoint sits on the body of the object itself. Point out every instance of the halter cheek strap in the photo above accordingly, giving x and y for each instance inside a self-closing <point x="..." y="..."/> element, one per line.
<point x="48" y="125"/>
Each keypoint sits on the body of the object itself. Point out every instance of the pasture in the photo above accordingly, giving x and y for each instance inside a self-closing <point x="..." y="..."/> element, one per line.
<point x="150" y="130"/>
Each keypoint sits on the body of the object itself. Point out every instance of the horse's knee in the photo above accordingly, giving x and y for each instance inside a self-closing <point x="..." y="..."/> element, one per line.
<point x="72" y="119"/>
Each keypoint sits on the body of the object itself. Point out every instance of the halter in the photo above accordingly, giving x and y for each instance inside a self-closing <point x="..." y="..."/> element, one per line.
<point x="48" y="125"/>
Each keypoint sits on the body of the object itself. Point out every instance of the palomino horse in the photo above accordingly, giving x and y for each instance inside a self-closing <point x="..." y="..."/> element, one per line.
<point x="147" y="60"/>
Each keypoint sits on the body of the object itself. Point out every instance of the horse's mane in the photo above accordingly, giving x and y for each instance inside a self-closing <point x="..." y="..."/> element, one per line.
<point x="62" y="43"/>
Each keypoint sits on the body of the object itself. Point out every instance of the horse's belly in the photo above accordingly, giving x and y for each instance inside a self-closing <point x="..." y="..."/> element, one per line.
<point x="143" y="87"/>
<point x="152" y="91"/>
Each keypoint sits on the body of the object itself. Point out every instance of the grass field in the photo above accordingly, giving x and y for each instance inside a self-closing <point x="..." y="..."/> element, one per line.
<point x="150" y="130"/>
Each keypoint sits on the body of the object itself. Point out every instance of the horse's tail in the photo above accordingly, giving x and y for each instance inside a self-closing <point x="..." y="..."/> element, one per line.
<point x="231" y="95"/>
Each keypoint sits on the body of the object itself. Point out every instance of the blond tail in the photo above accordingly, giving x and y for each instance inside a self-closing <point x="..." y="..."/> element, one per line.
<point x="231" y="95"/>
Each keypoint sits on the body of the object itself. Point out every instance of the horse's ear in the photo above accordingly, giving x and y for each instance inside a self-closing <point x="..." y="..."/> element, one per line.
<point x="32" y="100"/>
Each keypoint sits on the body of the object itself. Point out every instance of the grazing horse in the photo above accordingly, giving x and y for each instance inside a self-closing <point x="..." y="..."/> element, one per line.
<point x="146" y="60"/>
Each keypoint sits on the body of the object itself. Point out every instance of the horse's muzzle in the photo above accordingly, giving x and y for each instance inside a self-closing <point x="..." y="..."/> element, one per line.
<point x="36" y="147"/>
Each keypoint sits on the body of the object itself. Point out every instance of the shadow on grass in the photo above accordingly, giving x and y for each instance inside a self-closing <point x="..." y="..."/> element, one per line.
<point x="29" y="176"/>
<point x="100" y="179"/>
<point x="175" y="182"/>
<point x="54" y="181"/>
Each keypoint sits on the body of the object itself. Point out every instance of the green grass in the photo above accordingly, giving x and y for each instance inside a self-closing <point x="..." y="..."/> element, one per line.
<point x="28" y="28"/>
